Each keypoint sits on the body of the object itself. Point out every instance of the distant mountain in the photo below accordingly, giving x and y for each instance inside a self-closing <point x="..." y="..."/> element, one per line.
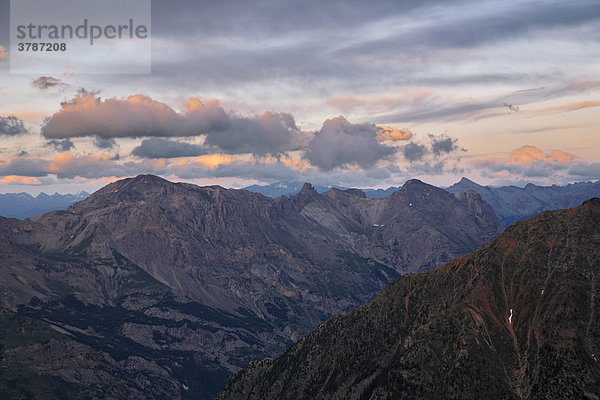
<point x="513" y="203"/>
<point x="285" y="188"/>
<point x="24" y="205"/>
<point x="153" y="289"/>
<point x="516" y="319"/>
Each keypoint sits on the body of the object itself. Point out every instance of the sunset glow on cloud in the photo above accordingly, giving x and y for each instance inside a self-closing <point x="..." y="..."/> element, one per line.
<point x="368" y="95"/>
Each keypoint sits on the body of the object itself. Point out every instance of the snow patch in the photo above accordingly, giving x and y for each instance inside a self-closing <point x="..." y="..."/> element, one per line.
<point x="510" y="317"/>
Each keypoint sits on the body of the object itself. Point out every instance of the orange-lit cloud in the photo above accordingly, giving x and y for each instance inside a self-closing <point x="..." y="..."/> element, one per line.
<point x="20" y="180"/>
<point x="211" y="160"/>
<point x="292" y="161"/>
<point x="527" y="161"/>
<point x="393" y="134"/>
<point x="88" y="115"/>
<point x="578" y="105"/>
<point x="526" y="155"/>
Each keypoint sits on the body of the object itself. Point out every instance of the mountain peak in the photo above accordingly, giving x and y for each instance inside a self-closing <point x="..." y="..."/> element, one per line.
<point x="413" y="182"/>
<point x="307" y="188"/>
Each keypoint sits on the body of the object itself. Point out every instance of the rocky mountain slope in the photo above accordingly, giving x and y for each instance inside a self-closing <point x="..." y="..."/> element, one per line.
<point x="156" y="289"/>
<point x="512" y="203"/>
<point x="515" y="319"/>
<point x="24" y="205"/>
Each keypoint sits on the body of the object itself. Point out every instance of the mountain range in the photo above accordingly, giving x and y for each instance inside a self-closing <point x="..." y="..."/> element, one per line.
<point x="154" y="289"/>
<point x="510" y="203"/>
<point x="515" y="319"/>
<point x="513" y="203"/>
<point x="287" y="188"/>
<point x="24" y="205"/>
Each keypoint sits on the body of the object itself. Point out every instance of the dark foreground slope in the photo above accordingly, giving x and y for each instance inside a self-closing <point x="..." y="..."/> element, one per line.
<point x="152" y="289"/>
<point x="513" y="203"/>
<point x="515" y="319"/>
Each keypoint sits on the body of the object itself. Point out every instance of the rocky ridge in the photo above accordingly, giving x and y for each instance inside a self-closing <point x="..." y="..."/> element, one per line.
<point x="515" y="319"/>
<point x="157" y="289"/>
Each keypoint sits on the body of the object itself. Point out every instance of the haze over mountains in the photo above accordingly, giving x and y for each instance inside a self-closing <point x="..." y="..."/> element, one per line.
<point x="154" y="289"/>
<point x="515" y="319"/>
<point x="24" y="205"/>
<point x="513" y="203"/>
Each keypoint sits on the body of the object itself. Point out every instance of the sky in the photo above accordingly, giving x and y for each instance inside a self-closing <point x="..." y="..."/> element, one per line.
<point x="348" y="93"/>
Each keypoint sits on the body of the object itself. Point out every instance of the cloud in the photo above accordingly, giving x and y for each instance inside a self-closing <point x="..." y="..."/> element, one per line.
<point x="528" y="161"/>
<point x="414" y="152"/>
<point x="24" y="166"/>
<point x="20" y="180"/>
<point x="166" y="148"/>
<point x="442" y="144"/>
<point x="393" y="134"/>
<point x="340" y="143"/>
<point x="527" y="155"/>
<point x="574" y="106"/>
<point x="47" y="82"/>
<point x="11" y="125"/>
<point x="88" y="115"/>
<point x="269" y="133"/>
<point x="60" y="145"/>
<point x="140" y="116"/>
<point x="104" y="143"/>
<point x="3" y="53"/>
<point x="585" y="170"/>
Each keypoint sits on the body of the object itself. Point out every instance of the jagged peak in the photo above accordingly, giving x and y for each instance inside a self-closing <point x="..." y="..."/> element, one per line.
<point x="307" y="188"/>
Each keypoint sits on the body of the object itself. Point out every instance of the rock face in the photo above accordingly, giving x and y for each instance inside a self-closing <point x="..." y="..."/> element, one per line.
<point x="154" y="289"/>
<point x="512" y="203"/>
<point x="515" y="319"/>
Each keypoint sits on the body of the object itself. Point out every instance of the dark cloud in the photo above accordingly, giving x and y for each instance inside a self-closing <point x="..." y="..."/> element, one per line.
<point x="25" y="166"/>
<point x="262" y="40"/>
<point x="60" y="145"/>
<point x="340" y="143"/>
<point x="585" y="170"/>
<point x="442" y="144"/>
<point x="11" y="125"/>
<point x="47" y="82"/>
<point x="269" y="133"/>
<point x="272" y="171"/>
<point x="414" y="152"/>
<point x="139" y="116"/>
<point x="165" y="148"/>
<point x="105" y="143"/>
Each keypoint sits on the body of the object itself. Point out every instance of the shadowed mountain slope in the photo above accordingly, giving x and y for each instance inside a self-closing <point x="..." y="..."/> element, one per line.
<point x="515" y="319"/>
